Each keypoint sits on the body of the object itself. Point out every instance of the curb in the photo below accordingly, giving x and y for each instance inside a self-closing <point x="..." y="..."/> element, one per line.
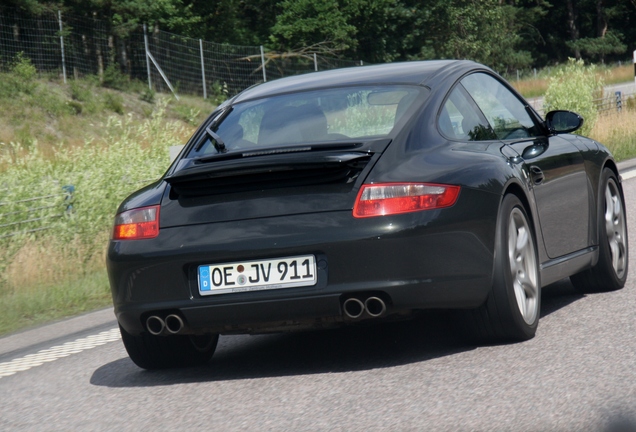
<point x="51" y="334"/>
<point x="626" y="165"/>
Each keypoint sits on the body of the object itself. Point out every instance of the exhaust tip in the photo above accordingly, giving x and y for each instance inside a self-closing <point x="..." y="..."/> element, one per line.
<point x="155" y="325"/>
<point x="375" y="306"/>
<point x="353" y="308"/>
<point x="174" y="324"/>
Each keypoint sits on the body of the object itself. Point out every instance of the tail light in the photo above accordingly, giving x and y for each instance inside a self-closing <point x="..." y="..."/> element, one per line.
<point x="396" y="198"/>
<point x="137" y="224"/>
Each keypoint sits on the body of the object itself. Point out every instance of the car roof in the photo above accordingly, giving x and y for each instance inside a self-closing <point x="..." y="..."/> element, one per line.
<point x="410" y="73"/>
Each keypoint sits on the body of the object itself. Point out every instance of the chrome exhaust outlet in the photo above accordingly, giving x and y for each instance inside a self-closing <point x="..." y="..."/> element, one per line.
<point x="174" y="324"/>
<point x="155" y="325"/>
<point x="353" y="308"/>
<point x="375" y="306"/>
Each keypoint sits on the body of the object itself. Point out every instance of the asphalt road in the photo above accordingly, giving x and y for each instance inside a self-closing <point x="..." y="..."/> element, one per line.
<point x="578" y="373"/>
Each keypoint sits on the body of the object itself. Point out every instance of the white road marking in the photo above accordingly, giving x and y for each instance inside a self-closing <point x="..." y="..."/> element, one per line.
<point x="51" y="354"/>
<point x="628" y="175"/>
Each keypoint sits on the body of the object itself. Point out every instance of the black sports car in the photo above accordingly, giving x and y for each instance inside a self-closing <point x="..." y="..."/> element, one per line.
<point x="361" y="194"/>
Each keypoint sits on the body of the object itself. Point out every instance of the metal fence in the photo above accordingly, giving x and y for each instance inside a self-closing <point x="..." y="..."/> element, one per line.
<point x="74" y="46"/>
<point x="32" y="214"/>
<point x="615" y="102"/>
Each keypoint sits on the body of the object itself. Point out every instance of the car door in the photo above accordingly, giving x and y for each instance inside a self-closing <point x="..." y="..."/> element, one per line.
<point x="553" y="164"/>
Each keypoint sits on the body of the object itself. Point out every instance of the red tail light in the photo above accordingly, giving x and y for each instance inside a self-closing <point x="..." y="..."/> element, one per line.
<point x="395" y="198"/>
<point x="137" y="224"/>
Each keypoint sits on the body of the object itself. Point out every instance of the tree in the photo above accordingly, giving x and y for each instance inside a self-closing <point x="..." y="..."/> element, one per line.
<point x="307" y="22"/>
<point x="480" y="30"/>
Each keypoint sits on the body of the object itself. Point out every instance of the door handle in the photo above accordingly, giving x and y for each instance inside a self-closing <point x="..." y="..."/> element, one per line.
<point x="537" y="174"/>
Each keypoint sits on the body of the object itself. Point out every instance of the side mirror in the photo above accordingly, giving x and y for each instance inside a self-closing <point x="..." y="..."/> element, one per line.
<point x="563" y="121"/>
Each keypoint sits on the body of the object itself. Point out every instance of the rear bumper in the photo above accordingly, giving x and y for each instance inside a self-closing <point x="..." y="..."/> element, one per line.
<point x="421" y="260"/>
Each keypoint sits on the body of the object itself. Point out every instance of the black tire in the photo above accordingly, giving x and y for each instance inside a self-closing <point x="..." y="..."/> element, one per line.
<point x="516" y="281"/>
<point x="610" y="273"/>
<point x="161" y="352"/>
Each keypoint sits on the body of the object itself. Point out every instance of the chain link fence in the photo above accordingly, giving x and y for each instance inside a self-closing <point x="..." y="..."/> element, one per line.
<point x="75" y="46"/>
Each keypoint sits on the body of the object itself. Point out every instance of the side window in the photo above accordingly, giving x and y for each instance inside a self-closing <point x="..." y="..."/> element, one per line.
<point x="505" y="112"/>
<point x="461" y="119"/>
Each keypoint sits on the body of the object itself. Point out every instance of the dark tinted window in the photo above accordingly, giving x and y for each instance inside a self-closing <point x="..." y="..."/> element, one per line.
<point x="461" y="119"/>
<point x="505" y="113"/>
<point x="329" y="115"/>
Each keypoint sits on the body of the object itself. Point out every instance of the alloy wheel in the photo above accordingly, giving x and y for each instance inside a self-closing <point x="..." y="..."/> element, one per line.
<point x="615" y="227"/>
<point x="523" y="265"/>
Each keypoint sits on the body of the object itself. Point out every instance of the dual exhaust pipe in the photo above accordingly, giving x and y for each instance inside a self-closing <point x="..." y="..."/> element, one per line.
<point x="172" y="324"/>
<point x="354" y="308"/>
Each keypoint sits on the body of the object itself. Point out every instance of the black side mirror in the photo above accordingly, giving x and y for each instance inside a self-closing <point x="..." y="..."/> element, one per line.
<point x="561" y="121"/>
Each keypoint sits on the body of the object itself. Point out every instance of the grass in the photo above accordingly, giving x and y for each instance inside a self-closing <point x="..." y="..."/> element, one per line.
<point x="618" y="132"/>
<point x="106" y="142"/>
<point x="47" y="302"/>
<point x="535" y="87"/>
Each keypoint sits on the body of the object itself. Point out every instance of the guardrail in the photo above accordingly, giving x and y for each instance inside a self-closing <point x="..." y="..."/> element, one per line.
<point x="33" y="214"/>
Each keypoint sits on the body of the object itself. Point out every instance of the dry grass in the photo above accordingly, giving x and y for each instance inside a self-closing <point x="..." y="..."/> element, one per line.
<point x="535" y="87"/>
<point x="531" y="87"/>
<point x="620" y="74"/>
<point x="41" y="262"/>
<point x="618" y="132"/>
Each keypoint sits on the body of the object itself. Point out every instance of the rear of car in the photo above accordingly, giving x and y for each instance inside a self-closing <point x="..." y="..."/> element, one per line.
<point x="265" y="223"/>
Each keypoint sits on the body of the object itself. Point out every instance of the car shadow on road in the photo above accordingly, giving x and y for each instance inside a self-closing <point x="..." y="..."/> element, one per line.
<point x="429" y="336"/>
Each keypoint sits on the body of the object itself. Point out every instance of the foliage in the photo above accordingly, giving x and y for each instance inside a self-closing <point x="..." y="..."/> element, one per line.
<point x="574" y="87"/>
<point x="617" y="130"/>
<point x="479" y="30"/>
<point x="307" y="22"/>
<point x="147" y="95"/>
<point x="114" y="102"/>
<point x="24" y="74"/>
<point x="114" y="78"/>
<point x="599" y="47"/>
<point x="71" y="247"/>
<point x="218" y="93"/>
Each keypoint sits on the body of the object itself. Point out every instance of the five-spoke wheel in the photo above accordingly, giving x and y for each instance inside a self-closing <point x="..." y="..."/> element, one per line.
<point x="610" y="272"/>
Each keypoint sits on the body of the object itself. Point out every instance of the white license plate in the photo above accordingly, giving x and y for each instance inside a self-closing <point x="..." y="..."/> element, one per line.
<point x="257" y="275"/>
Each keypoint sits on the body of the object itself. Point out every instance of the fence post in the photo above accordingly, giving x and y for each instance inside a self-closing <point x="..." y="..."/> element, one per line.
<point x="315" y="63"/>
<point x="147" y="60"/>
<point x="59" y="19"/>
<point x="205" y="92"/>
<point x="263" y="64"/>
<point x="634" y="67"/>
<point x="619" y="101"/>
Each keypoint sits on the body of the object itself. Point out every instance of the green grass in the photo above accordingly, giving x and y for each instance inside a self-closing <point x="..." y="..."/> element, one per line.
<point x="49" y="302"/>
<point x="536" y="87"/>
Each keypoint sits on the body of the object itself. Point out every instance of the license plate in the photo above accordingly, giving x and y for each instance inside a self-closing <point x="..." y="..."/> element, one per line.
<point x="257" y="275"/>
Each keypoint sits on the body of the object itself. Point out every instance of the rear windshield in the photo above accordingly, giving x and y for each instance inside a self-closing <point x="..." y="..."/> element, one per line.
<point x="332" y="115"/>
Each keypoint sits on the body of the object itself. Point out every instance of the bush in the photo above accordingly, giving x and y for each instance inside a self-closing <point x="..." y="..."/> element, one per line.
<point x="574" y="88"/>
<point x="113" y="78"/>
<point x="147" y="95"/>
<point x="218" y="93"/>
<point x="24" y="74"/>
<point x="114" y="102"/>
